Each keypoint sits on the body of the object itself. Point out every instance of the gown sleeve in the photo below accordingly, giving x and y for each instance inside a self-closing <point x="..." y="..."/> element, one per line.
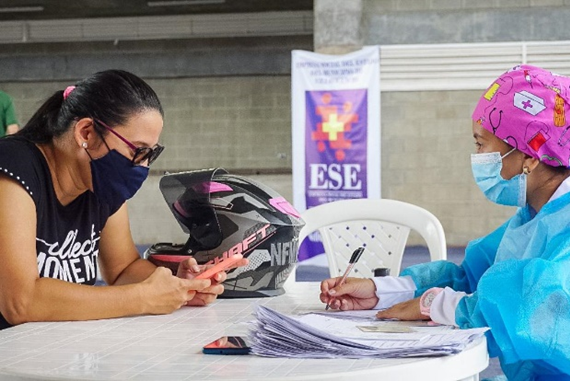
<point x="479" y="256"/>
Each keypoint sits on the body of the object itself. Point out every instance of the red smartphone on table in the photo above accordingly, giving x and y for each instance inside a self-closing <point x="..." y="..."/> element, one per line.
<point x="227" y="345"/>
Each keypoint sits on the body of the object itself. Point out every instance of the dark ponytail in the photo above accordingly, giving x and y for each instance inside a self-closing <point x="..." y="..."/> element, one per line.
<point x="112" y="96"/>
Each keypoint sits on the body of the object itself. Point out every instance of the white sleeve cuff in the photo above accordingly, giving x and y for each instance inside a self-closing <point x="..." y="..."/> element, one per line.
<point x="393" y="290"/>
<point x="442" y="310"/>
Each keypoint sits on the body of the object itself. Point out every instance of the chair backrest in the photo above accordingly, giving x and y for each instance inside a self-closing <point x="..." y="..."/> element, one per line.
<point x="382" y="226"/>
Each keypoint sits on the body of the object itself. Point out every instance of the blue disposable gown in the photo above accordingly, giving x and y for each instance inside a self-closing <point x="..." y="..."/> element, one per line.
<point x="519" y="280"/>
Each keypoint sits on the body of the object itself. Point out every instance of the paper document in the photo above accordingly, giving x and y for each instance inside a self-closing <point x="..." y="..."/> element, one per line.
<point x="317" y="335"/>
<point x="365" y="315"/>
<point x="385" y="328"/>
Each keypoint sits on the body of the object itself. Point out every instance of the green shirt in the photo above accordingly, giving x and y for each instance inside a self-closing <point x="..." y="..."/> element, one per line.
<point x="7" y="113"/>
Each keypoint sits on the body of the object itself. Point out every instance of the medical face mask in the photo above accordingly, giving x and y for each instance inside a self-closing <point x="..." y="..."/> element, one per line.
<point x="486" y="169"/>
<point x="116" y="179"/>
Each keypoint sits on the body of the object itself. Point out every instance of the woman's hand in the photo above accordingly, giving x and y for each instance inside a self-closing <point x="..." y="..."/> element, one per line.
<point x="353" y="294"/>
<point x="408" y="310"/>
<point x="165" y="293"/>
<point x="189" y="269"/>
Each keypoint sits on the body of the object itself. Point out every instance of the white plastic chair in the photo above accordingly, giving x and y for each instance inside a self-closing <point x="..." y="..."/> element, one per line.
<point x="382" y="226"/>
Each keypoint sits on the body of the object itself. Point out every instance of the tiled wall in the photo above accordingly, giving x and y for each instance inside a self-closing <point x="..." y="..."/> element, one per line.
<point x="460" y="21"/>
<point x="426" y="146"/>
<point x="232" y="122"/>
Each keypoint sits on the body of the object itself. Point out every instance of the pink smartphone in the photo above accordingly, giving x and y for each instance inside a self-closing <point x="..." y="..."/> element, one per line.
<point x="224" y="264"/>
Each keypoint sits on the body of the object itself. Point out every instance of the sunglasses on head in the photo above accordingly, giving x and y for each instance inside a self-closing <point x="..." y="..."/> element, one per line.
<point x="141" y="154"/>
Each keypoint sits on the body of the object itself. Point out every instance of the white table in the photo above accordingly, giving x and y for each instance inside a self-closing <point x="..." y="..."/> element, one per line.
<point x="169" y="347"/>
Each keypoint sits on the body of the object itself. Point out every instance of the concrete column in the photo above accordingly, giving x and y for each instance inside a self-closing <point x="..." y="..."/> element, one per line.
<point x="338" y="26"/>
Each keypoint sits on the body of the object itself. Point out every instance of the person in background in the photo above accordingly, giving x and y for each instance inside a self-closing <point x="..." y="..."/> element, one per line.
<point x="516" y="280"/>
<point x="8" y="120"/>
<point x="64" y="181"/>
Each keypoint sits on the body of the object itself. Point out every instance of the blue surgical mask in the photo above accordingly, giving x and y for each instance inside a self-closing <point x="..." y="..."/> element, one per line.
<point x="116" y="179"/>
<point x="487" y="173"/>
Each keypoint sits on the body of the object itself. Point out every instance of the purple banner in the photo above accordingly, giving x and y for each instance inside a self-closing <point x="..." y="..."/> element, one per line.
<point x="335" y="145"/>
<point x="310" y="247"/>
<point x="335" y="152"/>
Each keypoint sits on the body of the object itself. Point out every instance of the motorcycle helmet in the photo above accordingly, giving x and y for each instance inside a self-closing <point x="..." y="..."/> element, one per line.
<point x="225" y="214"/>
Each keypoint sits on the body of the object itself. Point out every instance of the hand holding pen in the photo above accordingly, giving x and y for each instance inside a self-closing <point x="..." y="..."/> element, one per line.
<point x="353" y="259"/>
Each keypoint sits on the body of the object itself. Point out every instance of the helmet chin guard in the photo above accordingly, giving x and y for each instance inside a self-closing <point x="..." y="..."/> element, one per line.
<point x="225" y="214"/>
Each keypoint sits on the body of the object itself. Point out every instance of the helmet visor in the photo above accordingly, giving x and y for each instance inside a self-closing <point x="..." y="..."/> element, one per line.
<point x="188" y="197"/>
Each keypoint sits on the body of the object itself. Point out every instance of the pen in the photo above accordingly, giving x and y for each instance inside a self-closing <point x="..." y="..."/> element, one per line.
<point x="353" y="259"/>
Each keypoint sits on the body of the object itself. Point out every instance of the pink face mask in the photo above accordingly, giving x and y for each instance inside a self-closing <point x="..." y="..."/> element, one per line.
<point x="529" y="108"/>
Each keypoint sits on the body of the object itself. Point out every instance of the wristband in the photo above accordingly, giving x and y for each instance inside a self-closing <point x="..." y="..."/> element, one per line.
<point x="427" y="299"/>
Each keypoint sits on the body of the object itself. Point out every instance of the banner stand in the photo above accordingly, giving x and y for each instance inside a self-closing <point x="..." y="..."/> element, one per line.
<point x="336" y="130"/>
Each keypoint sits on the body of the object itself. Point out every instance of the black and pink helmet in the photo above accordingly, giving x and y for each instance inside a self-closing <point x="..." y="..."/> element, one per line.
<point x="226" y="214"/>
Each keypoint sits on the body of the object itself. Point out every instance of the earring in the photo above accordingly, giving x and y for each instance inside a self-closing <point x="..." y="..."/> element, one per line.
<point x="84" y="145"/>
<point x="526" y="170"/>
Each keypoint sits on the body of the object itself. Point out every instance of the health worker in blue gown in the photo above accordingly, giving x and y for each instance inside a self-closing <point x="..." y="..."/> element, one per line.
<point x="516" y="280"/>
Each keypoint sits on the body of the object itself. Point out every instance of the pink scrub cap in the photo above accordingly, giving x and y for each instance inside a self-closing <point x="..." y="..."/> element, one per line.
<point x="529" y="108"/>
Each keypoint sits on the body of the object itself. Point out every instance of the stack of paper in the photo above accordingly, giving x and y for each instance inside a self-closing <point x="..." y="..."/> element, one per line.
<point x="332" y="335"/>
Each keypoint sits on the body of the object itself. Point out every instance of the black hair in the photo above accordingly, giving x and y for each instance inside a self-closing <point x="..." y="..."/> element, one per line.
<point x="111" y="96"/>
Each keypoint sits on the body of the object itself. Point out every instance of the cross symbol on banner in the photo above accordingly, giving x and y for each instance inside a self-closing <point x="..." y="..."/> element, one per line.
<point x="333" y="126"/>
<point x="527" y="104"/>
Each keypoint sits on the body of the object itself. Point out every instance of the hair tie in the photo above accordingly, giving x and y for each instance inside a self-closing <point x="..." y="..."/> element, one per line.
<point x="68" y="91"/>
